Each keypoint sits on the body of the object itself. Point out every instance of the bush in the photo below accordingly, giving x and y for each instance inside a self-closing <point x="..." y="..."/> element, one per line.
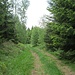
<point x="3" y="68"/>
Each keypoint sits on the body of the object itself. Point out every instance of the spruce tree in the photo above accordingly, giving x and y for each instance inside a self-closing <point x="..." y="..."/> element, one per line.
<point x="34" y="36"/>
<point x="63" y="14"/>
<point x="6" y="21"/>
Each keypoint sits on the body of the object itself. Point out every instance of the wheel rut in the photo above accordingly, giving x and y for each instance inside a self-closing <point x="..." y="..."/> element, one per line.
<point x="64" y="69"/>
<point x="37" y="70"/>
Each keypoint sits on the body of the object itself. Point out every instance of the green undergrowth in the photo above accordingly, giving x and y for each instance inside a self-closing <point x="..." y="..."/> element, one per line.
<point x="15" y="59"/>
<point x="69" y="63"/>
<point x="49" y="65"/>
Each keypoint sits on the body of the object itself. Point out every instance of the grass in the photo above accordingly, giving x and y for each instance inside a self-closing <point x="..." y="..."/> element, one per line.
<point x="66" y="62"/>
<point x="49" y="66"/>
<point x="15" y="59"/>
<point x="72" y="66"/>
<point x="69" y="64"/>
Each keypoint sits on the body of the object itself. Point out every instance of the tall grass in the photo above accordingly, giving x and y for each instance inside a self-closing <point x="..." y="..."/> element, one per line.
<point x="15" y="59"/>
<point x="49" y="66"/>
<point x="69" y="63"/>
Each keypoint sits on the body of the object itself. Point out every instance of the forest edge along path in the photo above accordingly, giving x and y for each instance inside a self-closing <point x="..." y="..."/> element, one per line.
<point x="37" y="70"/>
<point x="64" y="69"/>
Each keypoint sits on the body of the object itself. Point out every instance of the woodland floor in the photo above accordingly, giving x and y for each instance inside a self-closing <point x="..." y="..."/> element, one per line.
<point x="38" y="70"/>
<point x="28" y="60"/>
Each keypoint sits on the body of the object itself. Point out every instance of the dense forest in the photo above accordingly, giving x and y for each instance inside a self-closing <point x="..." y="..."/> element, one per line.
<point x="55" y="34"/>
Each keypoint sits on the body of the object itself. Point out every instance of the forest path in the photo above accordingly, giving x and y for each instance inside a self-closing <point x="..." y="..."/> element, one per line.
<point x="64" y="69"/>
<point x="47" y="64"/>
<point x="37" y="65"/>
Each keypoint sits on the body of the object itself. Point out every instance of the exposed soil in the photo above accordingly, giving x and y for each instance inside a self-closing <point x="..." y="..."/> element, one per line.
<point x="64" y="69"/>
<point x="37" y="65"/>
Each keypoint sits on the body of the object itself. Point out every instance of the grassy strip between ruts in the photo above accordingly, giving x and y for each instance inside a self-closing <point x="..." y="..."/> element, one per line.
<point x="49" y="66"/>
<point x="17" y="63"/>
<point x="65" y="61"/>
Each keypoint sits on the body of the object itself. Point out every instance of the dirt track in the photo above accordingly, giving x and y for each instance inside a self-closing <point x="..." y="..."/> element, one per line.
<point x="64" y="69"/>
<point x="38" y="70"/>
<point x="37" y="65"/>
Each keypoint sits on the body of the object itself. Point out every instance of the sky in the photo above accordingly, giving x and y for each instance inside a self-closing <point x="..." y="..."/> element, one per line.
<point x="36" y="10"/>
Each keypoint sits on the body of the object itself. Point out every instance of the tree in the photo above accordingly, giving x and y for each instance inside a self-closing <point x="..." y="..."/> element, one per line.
<point x="20" y="19"/>
<point x="22" y="10"/>
<point x="65" y="9"/>
<point x="34" y="36"/>
<point x="41" y="33"/>
<point x="7" y="23"/>
<point x="63" y="15"/>
<point x="28" y="34"/>
<point x="20" y="31"/>
<point x="52" y="37"/>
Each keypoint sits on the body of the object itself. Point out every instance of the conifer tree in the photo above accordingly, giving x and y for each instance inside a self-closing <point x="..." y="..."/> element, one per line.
<point x="34" y="36"/>
<point x="63" y="16"/>
<point x="6" y="21"/>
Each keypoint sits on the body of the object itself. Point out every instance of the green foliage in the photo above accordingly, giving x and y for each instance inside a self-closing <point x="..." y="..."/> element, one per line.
<point x="61" y="32"/>
<point x="41" y="33"/>
<point x="20" y="30"/>
<point x="49" y="66"/>
<point x="69" y="63"/>
<point x="7" y="20"/>
<point x="63" y="11"/>
<point x="52" y="38"/>
<point x="20" y="19"/>
<point x="7" y="23"/>
<point x="22" y="10"/>
<point x="15" y="59"/>
<point x="37" y="36"/>
<point x="3" y="68"/>
<point x="28" y="35"/>
<point x="34" y="36"/>
<point x="22" y="64"/>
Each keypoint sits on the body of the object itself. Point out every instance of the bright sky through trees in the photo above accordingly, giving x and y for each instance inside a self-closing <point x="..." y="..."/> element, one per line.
<point x="35" y="11"/>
